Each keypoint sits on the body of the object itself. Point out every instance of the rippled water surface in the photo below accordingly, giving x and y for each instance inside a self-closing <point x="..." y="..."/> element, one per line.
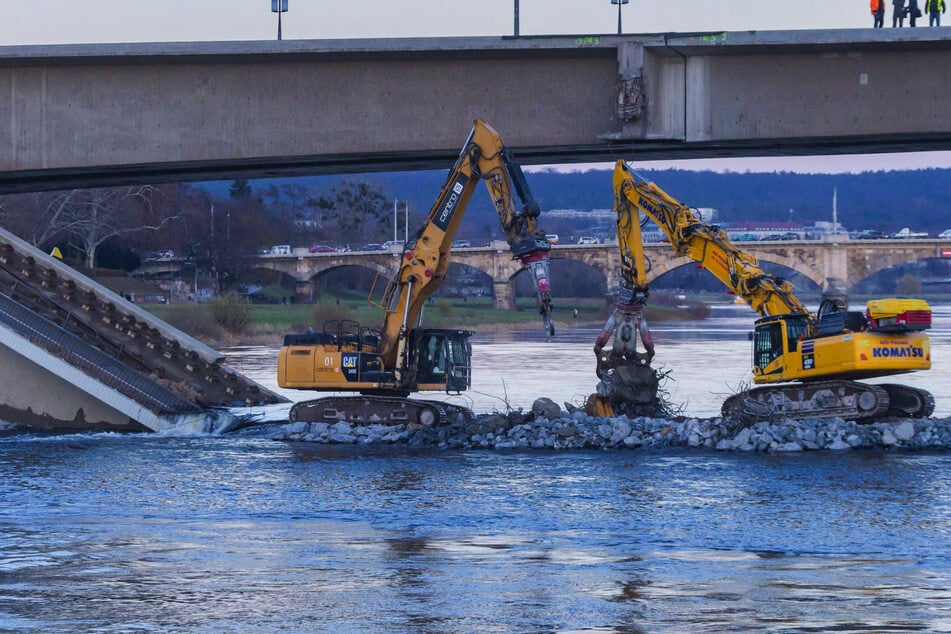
<point x="238" y="533"/>
<point x="242" y="534"/>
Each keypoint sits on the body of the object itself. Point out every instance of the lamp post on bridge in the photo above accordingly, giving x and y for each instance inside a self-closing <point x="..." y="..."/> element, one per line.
<point x="405" y="220"/>
<point x="619" y="3"/>
<point x="516" y="18"/>
<point x="278" y="7"/>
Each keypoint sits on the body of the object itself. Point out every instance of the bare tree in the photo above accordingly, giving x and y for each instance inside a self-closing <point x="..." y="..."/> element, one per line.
<point x="355" y="210"/>
<point x="92" y="216"/>
<point x="39" y="217"/>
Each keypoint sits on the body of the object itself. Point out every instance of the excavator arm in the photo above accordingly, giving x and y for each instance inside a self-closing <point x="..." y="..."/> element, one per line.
<point x="706" y="244"/>
<point x="425" y="259"/>
<point x="627" y="323"/>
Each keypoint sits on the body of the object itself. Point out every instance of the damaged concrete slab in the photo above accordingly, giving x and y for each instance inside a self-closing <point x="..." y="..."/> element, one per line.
<point x="78" y="356"/>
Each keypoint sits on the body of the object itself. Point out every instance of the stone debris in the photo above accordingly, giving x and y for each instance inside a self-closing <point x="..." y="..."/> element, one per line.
<point x="542" y="428"/>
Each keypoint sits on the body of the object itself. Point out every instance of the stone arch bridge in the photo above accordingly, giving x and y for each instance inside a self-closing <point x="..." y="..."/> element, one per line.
<point x="830" y="263"/>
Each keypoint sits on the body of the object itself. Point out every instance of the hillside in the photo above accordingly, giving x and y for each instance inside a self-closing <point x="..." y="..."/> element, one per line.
<point x="887" y="201"/>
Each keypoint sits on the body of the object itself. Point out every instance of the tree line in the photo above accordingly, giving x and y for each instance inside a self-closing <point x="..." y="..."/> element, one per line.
<point x="221" y="226"/>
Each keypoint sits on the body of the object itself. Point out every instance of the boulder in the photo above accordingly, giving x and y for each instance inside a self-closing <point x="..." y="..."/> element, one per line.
<point x="546" y="408"/>
<point x="905" y="431"/>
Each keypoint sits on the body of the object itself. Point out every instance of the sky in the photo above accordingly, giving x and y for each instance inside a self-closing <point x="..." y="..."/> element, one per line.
<point x="32" y="22"/>
<point x="87" y="21"/>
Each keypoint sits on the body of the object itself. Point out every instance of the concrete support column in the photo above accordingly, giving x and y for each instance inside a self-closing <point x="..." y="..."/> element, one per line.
<point x="303" y="292"/>
<point x="836" y="268"/>
<point x="613" y="283"/>
<point x="503" y="295"/>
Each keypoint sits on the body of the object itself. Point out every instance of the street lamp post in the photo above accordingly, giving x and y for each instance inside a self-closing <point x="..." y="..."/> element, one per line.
<point x="395" y="204"/>
<point x="405" y="220"/>
<point x="279" y="7"/>
<point x="516" y="18"/>
<point x="619" y="3"/>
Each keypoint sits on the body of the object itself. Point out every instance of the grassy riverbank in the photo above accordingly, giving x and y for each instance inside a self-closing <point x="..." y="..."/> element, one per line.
<point x="246" y="323"/>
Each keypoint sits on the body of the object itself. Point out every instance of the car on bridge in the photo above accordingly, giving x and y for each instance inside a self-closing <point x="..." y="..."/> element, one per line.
<point x="461" y="244"/>
<point x="906" y="233"/>
<point x="321" y="248"/>
<point x="371" y="247"/>
<point x="587" y="240"/>
<point x="944" y="235"/>
<point x="872" y="234"/>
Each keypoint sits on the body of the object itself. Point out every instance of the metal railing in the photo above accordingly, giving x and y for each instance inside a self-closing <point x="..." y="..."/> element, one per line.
<point x="91" y="361"/>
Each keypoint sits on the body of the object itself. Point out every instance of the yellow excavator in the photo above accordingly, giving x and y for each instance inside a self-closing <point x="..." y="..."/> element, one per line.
<point x="809" y="361"/>
<point x="628" y="384"/>
<point x="384" y="366"/>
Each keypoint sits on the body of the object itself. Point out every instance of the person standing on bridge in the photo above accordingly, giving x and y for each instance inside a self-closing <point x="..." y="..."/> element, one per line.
<point x="878" y="13"/>
<point x="934" y="8"/>
<point x="898" y="13"/>
<point x="913" y="12"/>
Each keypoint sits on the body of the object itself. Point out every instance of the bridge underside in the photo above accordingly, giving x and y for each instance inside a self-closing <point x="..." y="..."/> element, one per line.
<point x="369" y="162"/>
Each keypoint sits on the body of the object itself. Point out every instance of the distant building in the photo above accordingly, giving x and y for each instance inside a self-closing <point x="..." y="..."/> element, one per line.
<point x="761" y="229"/>
<point x="822" y="229"/>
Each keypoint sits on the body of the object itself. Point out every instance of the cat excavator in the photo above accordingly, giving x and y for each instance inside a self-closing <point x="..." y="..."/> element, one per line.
<point x="809" y="364"/>
<point x="385" y="365"/>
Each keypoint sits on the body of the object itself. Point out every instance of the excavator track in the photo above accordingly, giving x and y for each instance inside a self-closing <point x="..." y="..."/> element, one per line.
<point x="908" y="401"/>
<point x="372" y="410"/>
<point x="850" y="400"/>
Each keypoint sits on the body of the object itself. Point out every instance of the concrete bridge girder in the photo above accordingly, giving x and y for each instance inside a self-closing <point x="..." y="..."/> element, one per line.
<point x="717" y="94"/>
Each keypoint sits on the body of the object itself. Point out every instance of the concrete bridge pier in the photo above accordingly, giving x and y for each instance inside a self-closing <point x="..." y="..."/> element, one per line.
<point x="613" y="283"/>
<point x="835" y="288"/>
<point x="503" y="295"/>
<point x="836" y="272"/>
<point x="303" y="292"/>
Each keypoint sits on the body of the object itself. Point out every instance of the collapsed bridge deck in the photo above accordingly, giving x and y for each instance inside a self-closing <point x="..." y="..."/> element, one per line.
<point x="76" y="355"/>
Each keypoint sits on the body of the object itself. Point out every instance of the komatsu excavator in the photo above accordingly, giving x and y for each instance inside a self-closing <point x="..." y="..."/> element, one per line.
<point x="809" y="361"/>
<point x="384" y="366"/>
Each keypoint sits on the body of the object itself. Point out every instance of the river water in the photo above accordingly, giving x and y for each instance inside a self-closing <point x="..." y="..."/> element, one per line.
<point x="238" y="533"/>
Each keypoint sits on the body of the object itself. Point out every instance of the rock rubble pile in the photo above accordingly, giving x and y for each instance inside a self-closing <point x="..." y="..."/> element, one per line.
<point x="548" y="427"/>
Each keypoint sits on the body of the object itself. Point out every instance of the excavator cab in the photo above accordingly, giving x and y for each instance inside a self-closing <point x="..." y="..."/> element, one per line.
<point x="775" y="336"/>
<point x="443" y="359"/>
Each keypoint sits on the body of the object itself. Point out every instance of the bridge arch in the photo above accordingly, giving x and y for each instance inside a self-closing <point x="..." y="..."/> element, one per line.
<point x="869" y="267"/>
<point x="930" y="271"/>
<point x="821" y="262"/>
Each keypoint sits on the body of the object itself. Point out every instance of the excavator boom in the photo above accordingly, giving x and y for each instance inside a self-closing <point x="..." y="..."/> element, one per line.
<point x="402" y="357"/>
<point x="706" y="244"/>
<point x="426" y="256"/>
